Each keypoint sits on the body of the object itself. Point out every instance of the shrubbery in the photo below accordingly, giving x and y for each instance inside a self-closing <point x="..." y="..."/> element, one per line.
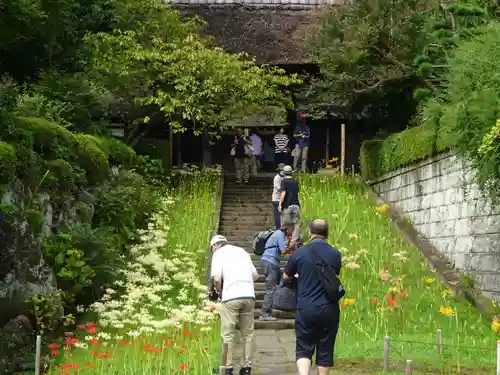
<point x="463" y="118"/>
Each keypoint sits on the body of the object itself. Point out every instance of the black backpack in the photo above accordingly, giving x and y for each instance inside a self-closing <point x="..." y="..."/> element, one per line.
<point x="259" y="241"/>
<point x="329" y="279"/>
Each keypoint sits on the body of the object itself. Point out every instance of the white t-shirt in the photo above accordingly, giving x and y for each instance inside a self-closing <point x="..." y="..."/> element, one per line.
<point x="277" y="188"/>
<point x="235" y="266"/>
<point x="256" y="144"/>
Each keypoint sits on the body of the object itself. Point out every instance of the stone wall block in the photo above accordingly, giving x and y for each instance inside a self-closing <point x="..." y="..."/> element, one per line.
<point x="483" y="262"/>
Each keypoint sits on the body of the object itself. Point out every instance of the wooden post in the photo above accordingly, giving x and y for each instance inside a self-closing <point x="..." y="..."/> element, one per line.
<point x="387" y="350"/>
<point x="327" y="146"/>
<point x="38" y="350"/>
<point x="439" y="342"/>
<point x="498" y="357"/>
<point x="409" y="367"/>
<point x="342" y="149"/>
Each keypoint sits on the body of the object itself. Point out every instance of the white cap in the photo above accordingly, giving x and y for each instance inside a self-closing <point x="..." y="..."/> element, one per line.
<point x="216" y="239"/>
<point x="287" y="170"/>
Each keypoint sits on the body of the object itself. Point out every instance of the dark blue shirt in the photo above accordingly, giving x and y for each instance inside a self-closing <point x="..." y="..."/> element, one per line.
<point x="291" y="188"/>
<point x="310" y="292"/>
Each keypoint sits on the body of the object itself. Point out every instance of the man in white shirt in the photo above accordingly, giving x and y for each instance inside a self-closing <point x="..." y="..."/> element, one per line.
<point x="277" y="194"/>
<point x="257" y="152"/>
<point x="234" y="273"/>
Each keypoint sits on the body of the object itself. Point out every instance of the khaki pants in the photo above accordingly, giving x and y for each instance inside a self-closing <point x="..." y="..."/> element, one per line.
<point x="300" y="154"/>
<point x="237" y="311"/>
<point x="292" y="214"/>
<point x="255" y="165"/>
<point x="242" y="166"/>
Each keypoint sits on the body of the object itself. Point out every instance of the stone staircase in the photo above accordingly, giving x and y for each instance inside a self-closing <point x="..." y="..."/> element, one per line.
<point x="246" y="209"/>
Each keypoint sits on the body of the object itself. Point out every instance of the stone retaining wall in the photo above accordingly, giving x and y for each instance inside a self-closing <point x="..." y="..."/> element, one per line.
<point x="444" y="204"/>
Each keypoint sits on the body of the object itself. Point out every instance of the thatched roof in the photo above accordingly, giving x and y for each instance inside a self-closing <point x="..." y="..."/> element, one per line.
<point x="273" y="35"/>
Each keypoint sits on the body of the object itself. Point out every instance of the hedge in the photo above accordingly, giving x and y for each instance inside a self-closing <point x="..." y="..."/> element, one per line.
<point x="398" y="150"/>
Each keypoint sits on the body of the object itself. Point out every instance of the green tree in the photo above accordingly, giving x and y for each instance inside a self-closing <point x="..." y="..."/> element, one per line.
<point x="163" y="63"/>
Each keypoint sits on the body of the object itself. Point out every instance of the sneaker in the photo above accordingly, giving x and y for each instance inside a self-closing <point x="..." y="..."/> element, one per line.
<point x="228" y="371"/>
<point x="245" y="371"/>
<point x="267" y="318"/>
<point x="238" y="181"/>
<point x="246" y="182"/>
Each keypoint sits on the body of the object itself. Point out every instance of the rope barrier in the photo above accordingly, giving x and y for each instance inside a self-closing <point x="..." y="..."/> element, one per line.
<point x="444" y="345"/>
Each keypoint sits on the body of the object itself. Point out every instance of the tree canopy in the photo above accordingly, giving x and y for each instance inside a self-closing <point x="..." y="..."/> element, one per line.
<point x="370" y="51"/>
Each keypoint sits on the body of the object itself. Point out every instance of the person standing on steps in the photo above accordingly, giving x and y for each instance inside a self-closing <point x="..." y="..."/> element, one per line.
<point x="302" y="134"/>
<point x="289" y="205"/>
<point x="276" y="195"/>
<point x="242" y="153"/>
<point x="280" y="147"/>
<point x="234" y="273"/>
<point x="270" y="260"/>
<point x="257" y="152"/>
<point x="317" y="318"/>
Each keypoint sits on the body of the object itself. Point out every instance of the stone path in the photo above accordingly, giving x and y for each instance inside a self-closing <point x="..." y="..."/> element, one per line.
<point x="247" y="209"/>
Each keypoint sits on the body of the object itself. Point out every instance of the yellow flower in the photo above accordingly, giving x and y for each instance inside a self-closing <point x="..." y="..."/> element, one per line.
<point x="333" y="160"/>
<point x="446" y="292"/>
<point x="447" y="311"/>
<point x="429" y="280"/>
<point x="383" y="208"/>
<point x="495" y="325"/>
<point x="394" y="290"/>
<point x="453" y="282"/>
<point x="329" y="166"/>
<point x="353" y="236"/>
<point x="349" y="301"/>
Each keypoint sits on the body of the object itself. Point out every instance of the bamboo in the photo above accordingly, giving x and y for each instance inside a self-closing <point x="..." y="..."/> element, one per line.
<point x="342" y="153"/>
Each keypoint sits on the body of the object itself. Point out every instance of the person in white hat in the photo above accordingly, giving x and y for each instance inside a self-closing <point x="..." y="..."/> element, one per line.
<point x="233" y="272"/>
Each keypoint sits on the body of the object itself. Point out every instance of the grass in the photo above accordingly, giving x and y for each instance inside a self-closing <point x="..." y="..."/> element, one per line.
<point x="390" y="288"/>
<point x="155" y="327"/>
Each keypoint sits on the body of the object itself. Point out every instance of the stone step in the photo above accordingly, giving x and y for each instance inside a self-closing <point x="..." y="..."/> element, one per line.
<point x="240" y="225"/>
<point x="240" y="233"/>
<point x="280" y="324"/>
<point x="249" y="215"/>
<point x="256" y="258"/>
<point x="232" y="239"/>
<point x="277" y="314"/>
<point x="247" y="206"/>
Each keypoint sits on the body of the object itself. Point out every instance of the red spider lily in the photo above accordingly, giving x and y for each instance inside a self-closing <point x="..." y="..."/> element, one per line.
<point x="53" y="346"/>
<point x="55" y="353"/>
<point x="70" y="341"/>
<point x="94" y="342"/>
<point x="94" y="354"/>
<point x="91" y="330"/>
<point x="183" y="367"/>
<point x="212" y="308"/>
<point x="104" y="355"/>
<point x="64" y="373"/>
<point x="150" y="349"/>
<point x="342" y="305"/>
<point x="168" y="345"/>
<point x="69" y="366"/>
<point x="81" y="326"/>
<point x="89" y="364"/>
<point x="125" y="342"/>
<point x="187" y="333"/>
<point x="374" y="299"/>
<point x="90" y="324"/>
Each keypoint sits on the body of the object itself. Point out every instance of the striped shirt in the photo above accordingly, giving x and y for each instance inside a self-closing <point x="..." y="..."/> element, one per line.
<point x="280" y="141"/>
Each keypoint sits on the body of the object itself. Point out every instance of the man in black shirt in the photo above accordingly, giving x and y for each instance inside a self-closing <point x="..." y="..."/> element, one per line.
<point x="289" y="205"/>
<point x="242" y="154"/>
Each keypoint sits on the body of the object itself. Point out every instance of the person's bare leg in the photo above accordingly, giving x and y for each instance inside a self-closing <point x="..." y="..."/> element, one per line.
<point x="304" y="366"/>
<point x="322" y="370"/>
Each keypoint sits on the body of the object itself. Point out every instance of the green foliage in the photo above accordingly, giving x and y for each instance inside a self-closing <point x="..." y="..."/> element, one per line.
<point x="86" y="262"/>
<point x="35" y="220"/>
<point x="117" y="152"/>
<point x="470" y="106"/>
<point x="163" y="63"/>
<point x="398" y="150"/>
<point x="124" y="204"/>
<point x="151" y="169"/>
<point x="7" y="162"/>
<point x="91" y="157"/>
